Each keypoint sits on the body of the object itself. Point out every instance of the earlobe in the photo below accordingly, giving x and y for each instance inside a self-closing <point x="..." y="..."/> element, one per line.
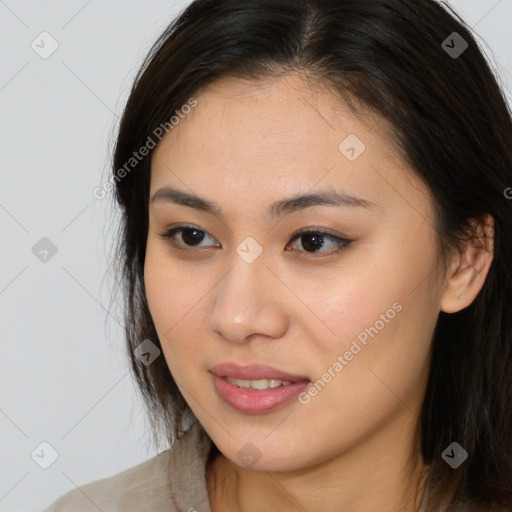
<point x="470" y="268"/>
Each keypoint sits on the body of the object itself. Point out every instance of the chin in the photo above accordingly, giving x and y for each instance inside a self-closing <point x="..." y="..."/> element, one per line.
<point x="261" y="453"/>
<point x="276" y="463"/>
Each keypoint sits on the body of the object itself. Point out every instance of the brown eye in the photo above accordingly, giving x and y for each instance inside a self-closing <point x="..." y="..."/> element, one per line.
<point x="191" y="236"/>
<point x="314" y="241"/>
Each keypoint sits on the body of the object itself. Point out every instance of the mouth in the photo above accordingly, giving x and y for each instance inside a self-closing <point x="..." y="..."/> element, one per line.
<point x="256" y="389"/>
<point x="254" y="372"/>
<point x="259" y="384"/>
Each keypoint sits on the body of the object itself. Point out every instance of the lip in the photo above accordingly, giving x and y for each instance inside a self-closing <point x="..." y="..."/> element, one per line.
<point x="254" y="372"/>
<point x="253" y="401"/>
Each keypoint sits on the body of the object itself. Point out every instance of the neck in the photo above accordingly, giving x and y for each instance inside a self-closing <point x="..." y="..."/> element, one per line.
<point x="385" y="473"/>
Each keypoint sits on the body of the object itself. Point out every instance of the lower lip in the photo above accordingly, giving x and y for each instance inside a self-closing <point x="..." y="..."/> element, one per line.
<point x="255" y="401"/>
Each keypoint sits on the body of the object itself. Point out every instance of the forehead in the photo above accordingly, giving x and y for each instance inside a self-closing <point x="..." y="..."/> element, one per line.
<point x="279" y="135"/>
<point x="289" y="104"/>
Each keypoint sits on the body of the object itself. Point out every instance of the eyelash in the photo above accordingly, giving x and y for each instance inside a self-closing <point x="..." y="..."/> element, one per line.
<point x="342" y="243"/>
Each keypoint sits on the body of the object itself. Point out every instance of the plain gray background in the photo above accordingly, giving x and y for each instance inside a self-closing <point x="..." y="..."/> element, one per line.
<point x="63" y="370"/>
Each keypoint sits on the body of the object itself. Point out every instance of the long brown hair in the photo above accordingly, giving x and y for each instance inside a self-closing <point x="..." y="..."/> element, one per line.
<point x="451" y="123"/>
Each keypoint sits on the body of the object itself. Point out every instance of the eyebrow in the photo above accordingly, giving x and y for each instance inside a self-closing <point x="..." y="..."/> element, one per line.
<point x="329" y="197"/>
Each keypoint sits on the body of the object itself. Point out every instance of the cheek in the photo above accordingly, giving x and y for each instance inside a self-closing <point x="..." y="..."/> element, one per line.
<point x="381" y="319"/>
<point x="349" y="306"/>
<point x="171" y="291"/>
<point x="388" y="294"/>
<point x="175" y="299"/>
<point x="380" y="351"/>
<point x="159" y="282"/>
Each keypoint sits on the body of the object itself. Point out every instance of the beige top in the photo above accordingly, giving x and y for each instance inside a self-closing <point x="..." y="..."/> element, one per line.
<point x="146" y="487"/>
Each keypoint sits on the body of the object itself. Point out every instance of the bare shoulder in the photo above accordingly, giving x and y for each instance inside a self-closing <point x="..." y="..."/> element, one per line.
<point x="141" y="487"/>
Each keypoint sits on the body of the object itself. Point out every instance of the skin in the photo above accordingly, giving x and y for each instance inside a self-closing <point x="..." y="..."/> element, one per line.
<point x="355" y="445"/>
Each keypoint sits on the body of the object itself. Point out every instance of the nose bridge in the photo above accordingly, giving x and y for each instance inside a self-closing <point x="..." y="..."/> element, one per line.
<point x="245" y="299"/>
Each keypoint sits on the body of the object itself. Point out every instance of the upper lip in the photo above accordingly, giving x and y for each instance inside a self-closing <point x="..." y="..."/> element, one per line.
<point x="253" y="372"/>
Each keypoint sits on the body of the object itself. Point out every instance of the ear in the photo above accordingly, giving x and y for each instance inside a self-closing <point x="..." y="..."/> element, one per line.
<point x="469" y="269"/>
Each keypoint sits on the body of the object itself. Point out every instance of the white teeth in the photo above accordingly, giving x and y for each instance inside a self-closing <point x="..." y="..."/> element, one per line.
<point x="258" y="384"/>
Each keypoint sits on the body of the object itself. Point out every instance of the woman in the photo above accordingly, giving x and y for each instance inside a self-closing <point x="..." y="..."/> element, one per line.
<point x="316" y="243"/>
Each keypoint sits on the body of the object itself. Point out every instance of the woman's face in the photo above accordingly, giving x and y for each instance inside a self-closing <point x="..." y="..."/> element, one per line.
<point x="355" y="320"/>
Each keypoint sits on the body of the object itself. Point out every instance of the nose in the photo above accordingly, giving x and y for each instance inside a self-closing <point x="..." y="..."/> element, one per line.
<point x="249" y="302"/>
